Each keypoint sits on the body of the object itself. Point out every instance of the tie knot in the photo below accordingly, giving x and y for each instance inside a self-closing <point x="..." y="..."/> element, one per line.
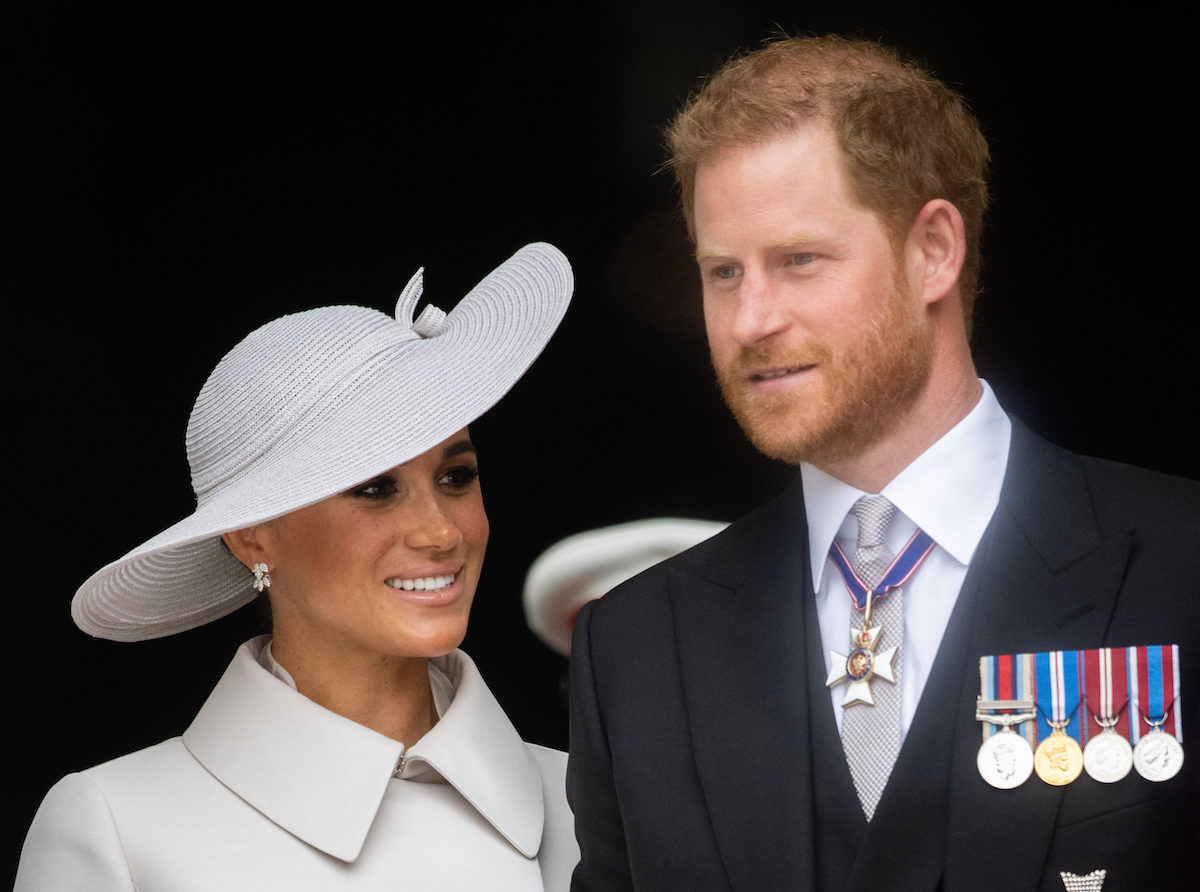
<point x="874" y="515"/>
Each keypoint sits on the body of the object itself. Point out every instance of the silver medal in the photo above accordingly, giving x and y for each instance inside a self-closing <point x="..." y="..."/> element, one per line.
<point x="1108" y="757"/>
<point x="1005" y="760"/>
<point x="1158" y="756"/>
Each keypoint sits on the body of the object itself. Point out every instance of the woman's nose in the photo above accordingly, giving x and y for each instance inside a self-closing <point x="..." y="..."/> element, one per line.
<point x="432" y="529"/>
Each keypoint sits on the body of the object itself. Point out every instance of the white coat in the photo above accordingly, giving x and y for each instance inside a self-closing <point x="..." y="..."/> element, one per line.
<point x="267" y="790"/>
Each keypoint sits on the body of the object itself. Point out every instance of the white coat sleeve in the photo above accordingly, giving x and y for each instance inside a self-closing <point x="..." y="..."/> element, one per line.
<point x="74" y="843"/>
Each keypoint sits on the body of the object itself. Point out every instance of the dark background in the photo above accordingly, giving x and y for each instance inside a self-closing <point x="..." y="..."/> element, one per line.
<point x="171" y="180"/>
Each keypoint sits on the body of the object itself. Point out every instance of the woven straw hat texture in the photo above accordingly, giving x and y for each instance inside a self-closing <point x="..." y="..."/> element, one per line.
<point x="311" y="404"/>
<point x="586" y="566"/>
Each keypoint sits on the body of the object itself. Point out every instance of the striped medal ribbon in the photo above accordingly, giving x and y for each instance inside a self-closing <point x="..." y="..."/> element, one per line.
<point x="1058" y="759"/>
<point x="1107" y="699"/>
<point x="1154" y="698"/>
<point x="1006" y="708"/>
<point x="1107" y="755"/>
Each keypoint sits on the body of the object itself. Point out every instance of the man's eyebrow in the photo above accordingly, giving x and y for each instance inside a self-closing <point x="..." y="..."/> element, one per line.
<point x="459" y="448"/>
<point x="798" y="238"/>
<point x="795" y="238"/>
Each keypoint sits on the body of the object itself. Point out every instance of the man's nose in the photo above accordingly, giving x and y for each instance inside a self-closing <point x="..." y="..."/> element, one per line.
<point x="760" y="311"/>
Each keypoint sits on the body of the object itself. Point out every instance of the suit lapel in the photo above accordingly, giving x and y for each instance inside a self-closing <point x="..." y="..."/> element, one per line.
<point x="740" y="628"/>
<point x="1049" y="581"/>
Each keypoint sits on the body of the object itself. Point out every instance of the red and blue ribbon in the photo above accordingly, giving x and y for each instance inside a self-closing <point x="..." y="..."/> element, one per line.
<point x="898" y="572"/>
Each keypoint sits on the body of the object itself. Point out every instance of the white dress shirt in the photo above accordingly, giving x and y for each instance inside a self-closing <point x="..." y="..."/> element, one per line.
<point x="950" y="491"/>
<point x="267" y="790"/>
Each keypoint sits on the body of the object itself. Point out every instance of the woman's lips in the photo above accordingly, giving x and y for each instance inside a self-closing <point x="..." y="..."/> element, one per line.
<point x="422" y="583"/>
<point x="429" y="585"/>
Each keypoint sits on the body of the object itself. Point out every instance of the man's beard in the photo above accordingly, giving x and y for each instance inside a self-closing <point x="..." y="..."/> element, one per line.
<point x="864" y="389"/>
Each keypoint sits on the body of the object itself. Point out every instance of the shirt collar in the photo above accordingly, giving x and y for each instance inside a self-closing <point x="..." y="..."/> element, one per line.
<point x="950" y="491"/>
<point x="324" y="784"/>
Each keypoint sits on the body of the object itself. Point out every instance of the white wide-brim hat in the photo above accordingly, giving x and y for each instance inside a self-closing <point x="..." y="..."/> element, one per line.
<point x="587" y="565"/>
<point x="310" y="405"/>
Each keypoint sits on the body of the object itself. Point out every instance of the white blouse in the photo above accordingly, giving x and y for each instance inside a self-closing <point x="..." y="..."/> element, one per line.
<point x="267" y="790"/>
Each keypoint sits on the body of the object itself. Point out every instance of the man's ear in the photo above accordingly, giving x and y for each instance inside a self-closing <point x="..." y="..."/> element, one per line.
<point x="937" y="242"/>
<point x="247" y="546"/>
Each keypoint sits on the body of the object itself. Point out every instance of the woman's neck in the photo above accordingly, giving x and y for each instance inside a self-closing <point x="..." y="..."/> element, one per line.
<point x="390" y="695"/>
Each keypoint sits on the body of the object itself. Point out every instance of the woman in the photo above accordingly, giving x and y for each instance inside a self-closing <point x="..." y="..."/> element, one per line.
<point x="355" y="747"/>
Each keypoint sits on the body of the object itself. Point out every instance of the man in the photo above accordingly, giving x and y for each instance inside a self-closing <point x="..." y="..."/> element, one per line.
<point x="836" y="196"/>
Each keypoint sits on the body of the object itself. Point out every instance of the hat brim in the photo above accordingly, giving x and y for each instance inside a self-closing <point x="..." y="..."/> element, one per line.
<point x="588" y="565"/>
<point x="380" y="418"/>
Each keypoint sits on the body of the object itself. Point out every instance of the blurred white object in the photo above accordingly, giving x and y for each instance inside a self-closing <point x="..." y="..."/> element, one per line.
<point x="585" y="566"/>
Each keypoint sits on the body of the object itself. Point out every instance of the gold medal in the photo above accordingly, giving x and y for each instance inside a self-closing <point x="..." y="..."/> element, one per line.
<point x="1058" y="759"/>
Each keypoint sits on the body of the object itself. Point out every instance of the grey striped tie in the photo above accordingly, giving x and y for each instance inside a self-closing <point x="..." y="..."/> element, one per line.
<point x="871" y="734"/>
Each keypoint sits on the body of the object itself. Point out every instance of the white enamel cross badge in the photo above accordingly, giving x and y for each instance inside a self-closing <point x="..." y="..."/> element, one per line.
<point x="862" y="664"/>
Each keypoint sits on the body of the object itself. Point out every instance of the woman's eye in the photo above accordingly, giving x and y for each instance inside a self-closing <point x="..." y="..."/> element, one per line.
<point x="459" y="477"/>
<point x="379" y="488"/>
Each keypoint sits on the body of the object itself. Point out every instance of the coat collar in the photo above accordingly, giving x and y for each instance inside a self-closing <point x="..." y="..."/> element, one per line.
<point x="950" y="490"/>
<point x="322" y="777"/>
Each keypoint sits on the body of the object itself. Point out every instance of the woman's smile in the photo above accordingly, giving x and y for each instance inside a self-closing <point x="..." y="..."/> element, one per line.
<point x="422" y="583"/>
<point x="419" y="528"/>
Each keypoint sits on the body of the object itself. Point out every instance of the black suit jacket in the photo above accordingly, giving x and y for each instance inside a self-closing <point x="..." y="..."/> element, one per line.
<point x="704" y="751"/>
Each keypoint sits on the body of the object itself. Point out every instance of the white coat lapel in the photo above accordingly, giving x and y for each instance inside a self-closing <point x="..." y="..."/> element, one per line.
<point x="317" y="775"/>
<point x="322" y="777"/>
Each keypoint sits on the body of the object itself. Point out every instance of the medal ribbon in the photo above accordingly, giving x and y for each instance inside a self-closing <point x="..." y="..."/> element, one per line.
<point x="1008" y="677"/>
<point x="1154" y="689"/>
<point x="898" y="572"/>
<point x="1058" y="688"/>
<point x="1106" y="689"/>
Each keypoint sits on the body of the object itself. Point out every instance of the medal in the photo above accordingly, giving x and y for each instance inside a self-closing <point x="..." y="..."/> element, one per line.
<point x="1058" y="759"/>
<point x="1107" y="757"/>
<point x="1154" y="697"/>
<point x="862" y="663"/>
<point x="1158" y="756"/>
<point x="1123" y="690"/>
<point x="1005" y="759"/>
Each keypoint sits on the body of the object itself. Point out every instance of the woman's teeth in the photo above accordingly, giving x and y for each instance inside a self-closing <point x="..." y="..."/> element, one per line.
<point x="424" y="584"/>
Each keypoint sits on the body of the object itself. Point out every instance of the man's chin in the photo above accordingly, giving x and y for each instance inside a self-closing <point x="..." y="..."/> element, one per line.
<point x="779" y="431"/>
<point x="812" y="430"/>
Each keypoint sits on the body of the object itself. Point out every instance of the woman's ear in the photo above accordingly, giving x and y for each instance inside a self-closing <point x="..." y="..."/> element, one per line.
<point x="247" y="546"/>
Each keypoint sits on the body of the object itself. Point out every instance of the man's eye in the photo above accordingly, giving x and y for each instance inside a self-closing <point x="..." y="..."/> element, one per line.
<point x="459" y="477"/>
<point x="726" y="272"/>
<point x="379" y="488"/>
<point x="802" y="259"/>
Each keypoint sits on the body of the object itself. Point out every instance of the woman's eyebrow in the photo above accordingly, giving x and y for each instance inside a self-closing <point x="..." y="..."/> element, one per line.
<point x="459" y="448"/>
